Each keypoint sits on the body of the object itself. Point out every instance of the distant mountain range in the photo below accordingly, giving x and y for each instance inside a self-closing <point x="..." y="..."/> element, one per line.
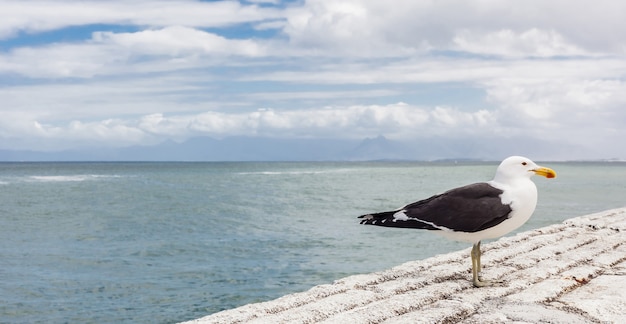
<point x="275" y="149"/>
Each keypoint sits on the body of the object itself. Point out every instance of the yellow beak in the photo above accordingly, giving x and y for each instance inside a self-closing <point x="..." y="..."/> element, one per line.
<point x="545" y="172"/>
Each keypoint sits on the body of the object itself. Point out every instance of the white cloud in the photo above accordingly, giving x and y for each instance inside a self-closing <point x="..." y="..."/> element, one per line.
<point x="158" y="124"/>
<point x="533" y="42"/>
<point x="570" y="111"/>
<point x="34" y="135"/>
<point x="275" y="2"/>
<point x="321" y="95"/>
<point x="355" y="28"/>
<point x="57" y="61"/>
<point x="435" y="69"/>
<point x="395" y="120"/>
<point x="325" y="29"/>
<point x="107" y="53"/>
<point x="39" y="16"/>
<point x="318" y="68"/>
<point x="177" y="41"/>
<point x="375" y="28"/>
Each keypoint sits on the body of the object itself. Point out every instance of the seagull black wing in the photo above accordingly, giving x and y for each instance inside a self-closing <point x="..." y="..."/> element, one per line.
<point x="471" y="208"/>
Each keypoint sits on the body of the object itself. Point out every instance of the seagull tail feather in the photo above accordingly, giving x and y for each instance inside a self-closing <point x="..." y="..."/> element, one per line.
<point x="387" y="219"/>
<point x="373" y="219"/>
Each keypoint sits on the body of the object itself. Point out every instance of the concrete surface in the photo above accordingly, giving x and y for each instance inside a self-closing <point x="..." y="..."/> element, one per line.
<point x="573" y="272"/>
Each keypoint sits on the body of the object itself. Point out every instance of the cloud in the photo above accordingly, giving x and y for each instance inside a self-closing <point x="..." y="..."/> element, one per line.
<point x="274" y="2"/>
<point x="318" y="29"/>
<point x="398" y="120"/>
<point x="40" y="16"/>
<point x="33" y="135"/>
<point x="57" y="61"/>
<point x="587" y="113"/>
<point x="152" y="70"/>
<point x="374" y="28"/>
<point x="108" y="53"/>
<point x="176" y="42"/>
<point x="395" y="120"/>
<point x="354" y="28"/>
<point x="449" y="69"/>
<point x="569" y="103"/>
<point x="508" y="43"/>
<point x="330" y="122"/>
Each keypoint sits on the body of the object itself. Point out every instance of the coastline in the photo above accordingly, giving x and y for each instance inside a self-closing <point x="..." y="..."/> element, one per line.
<point x="569" y="272"/>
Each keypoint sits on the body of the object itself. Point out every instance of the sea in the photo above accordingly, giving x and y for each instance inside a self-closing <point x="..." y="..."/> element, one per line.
<point x="155" y="242"/>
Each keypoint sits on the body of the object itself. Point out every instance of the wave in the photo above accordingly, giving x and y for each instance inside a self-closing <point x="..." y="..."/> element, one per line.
<point x="69" y="178"/>
<point x="295" y="172"/>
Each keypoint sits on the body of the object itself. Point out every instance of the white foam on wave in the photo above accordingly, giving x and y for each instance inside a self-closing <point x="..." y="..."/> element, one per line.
<point x="69" y="178"/>
<point x="294" y="172"/>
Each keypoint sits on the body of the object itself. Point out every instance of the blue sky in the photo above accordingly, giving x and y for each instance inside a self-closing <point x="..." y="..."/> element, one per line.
<point x="77" y="74"/>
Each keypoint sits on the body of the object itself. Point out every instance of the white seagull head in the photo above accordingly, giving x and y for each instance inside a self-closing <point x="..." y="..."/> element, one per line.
<point x="519" y="167"/>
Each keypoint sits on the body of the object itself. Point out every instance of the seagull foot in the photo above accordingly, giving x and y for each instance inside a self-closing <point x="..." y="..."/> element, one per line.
<point x="479" y="283"/>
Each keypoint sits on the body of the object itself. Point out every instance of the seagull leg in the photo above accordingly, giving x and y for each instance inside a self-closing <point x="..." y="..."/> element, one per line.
<point x="476" y="267"/>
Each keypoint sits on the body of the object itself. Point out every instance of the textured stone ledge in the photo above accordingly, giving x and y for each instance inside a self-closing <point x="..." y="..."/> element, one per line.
<point x="574" y="272"/>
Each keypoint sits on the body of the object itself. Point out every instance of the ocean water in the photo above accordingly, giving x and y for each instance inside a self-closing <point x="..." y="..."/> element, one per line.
<point x="167" y="242"/>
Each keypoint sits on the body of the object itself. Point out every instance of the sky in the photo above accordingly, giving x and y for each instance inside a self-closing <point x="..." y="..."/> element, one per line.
<point x="76" y="74"/>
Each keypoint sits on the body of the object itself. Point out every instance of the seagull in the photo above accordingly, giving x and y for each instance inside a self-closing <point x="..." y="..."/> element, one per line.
<point x="475" y="212"/>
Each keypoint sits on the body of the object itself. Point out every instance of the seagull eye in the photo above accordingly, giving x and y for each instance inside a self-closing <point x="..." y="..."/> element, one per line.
<point x="524" y="163"/>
